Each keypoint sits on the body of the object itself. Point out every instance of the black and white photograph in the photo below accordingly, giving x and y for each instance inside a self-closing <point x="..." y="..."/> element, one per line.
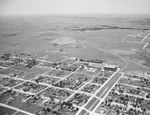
<point x="74" y="57"/>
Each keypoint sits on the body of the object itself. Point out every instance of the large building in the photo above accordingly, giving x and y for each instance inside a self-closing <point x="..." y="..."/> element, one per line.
<point x="110" y="67"/>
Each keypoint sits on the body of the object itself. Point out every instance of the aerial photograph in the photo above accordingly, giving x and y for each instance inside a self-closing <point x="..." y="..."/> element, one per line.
<point x="74" y="57"/>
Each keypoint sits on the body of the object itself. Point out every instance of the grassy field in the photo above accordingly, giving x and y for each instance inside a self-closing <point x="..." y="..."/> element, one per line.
<point x="131" y="66"/>
<point x="58" y="73"/>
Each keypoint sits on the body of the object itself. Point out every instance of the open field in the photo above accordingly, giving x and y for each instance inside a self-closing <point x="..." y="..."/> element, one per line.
<point x="75" y="65"/>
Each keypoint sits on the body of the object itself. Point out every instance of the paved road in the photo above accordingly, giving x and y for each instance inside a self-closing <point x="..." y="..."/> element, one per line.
<point x="108" y="85"/>
<point x="145" y="37"/>
<point x="16" y="109"/>
<point x="91" y="102"/>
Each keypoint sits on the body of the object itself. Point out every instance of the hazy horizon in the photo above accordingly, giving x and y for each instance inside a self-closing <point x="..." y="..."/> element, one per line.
<point x="74" y="7"/>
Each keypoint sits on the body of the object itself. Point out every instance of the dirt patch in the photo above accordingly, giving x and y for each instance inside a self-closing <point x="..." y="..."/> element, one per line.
<point x="125" y="52"/>
<point x="49" y="34"/>
<point x="63" y="41"/>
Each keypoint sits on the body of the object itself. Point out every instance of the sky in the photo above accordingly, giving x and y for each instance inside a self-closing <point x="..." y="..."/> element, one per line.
<point x="36" y="7"/>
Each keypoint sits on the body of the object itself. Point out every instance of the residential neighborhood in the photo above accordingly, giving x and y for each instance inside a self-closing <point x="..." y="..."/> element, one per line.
<point x="72" y="88"/>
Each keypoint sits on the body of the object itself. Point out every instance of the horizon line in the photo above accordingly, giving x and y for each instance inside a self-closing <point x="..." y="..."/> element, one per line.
<point x="67" y="14"/>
